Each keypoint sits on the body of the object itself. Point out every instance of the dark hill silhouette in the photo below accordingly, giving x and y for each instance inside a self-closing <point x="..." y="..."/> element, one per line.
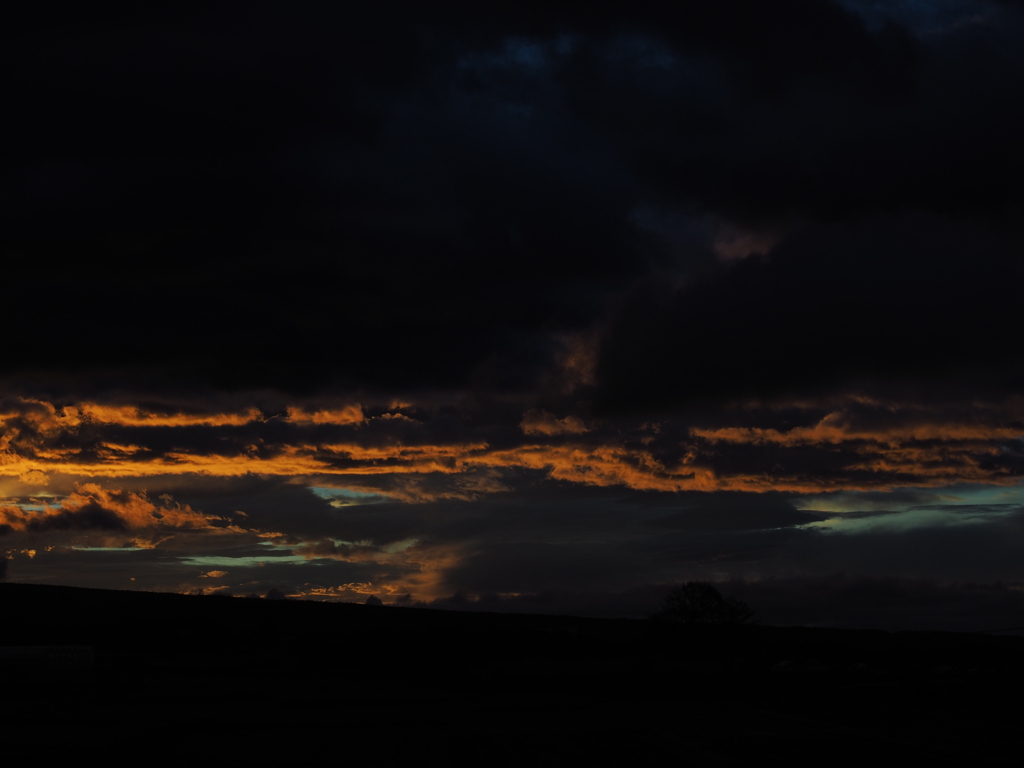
<point x="220" y="679"/>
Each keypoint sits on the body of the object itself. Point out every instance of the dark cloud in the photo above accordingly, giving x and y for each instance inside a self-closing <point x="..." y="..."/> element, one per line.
<point x="307" y="199"/>
<point x="736" y="511"/>
<point x="276" y="173"/>
<point x="923" y="303"/>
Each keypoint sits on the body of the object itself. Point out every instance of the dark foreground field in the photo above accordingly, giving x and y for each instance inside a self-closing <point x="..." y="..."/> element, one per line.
<point x="188" y="680"/>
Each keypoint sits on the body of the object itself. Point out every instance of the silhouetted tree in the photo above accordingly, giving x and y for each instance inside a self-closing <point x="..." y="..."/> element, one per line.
<point x="698" y="602"/>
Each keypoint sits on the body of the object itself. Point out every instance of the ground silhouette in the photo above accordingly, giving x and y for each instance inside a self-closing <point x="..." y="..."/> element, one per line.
<point x="219" y="680"/>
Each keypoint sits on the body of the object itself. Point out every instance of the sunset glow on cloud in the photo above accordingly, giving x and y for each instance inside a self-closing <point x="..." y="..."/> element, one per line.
<point x="881" y="446"/>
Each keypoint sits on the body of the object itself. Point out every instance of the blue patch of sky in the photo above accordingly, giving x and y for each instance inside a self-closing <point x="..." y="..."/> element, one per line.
<point x="346" y="497"/>
<point x="49" y="499"/>
<point x="390" y="548"/>
<point x="906" y="508"/>
<point x="206" y="561"/>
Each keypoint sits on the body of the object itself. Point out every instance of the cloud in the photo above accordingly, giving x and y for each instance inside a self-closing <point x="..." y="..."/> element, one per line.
<point x="668" y="265"/>
<point x="349" y="414"/>
<point x="851" y="442"/>
<point x="44" y="417"/>
<point x="731" y="245"/>
<point x="403" y="567"/>
<point x="132" y="518"/>
<point x="920" y="303"/>
<point x="34" y="477"/>
<point x="734" y="511"/>
<point x="526" y="548"/>
<point x="580" y="116"/>
<point x="132" y="416"/>
<point x="538" y="422"/>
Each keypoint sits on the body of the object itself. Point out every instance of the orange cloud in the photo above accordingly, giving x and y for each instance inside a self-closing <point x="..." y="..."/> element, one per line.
<point x="350" y="414"/>
<point x="603" y="465"/>
<point x="46" y="418"/>
<point x="837" y="427"/>
<point x="537" y="422"/>
<point x="94" y="508"/>
<point x="414" y="567"/>
<point x="131" y="416"/>
<point x="862" y="444"/>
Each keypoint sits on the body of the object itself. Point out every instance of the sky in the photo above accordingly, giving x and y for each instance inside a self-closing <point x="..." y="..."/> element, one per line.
<point x="539" y="307"/>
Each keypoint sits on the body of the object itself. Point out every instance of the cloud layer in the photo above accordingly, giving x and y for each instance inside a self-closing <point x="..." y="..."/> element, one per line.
<point x="846" y="443"/>
<point x="476" y="303"/>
